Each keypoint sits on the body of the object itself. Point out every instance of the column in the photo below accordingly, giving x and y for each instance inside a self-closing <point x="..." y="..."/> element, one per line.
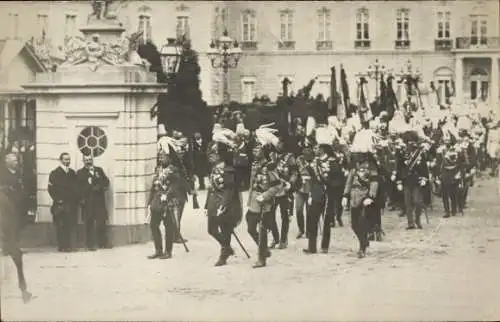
<point x="24" y="114"/>
<point x="495" y="86"/>
<point x="459" y="80"/>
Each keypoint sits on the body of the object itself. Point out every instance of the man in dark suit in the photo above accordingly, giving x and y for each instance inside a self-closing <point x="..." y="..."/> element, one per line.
<point x="13" y="200"/>
<point x="200" y="160"/>
<point x="92" y="184"/>
<point x="63" y="189"/>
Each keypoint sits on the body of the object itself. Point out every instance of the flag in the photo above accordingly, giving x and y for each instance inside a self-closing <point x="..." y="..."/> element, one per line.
<point x="332" y="103"/>
<point x="364" y="110"/>
<point x="346" y="100"/>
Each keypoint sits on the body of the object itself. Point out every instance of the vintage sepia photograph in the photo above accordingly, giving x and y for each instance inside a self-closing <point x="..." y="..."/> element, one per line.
<point x="254" y="161"/>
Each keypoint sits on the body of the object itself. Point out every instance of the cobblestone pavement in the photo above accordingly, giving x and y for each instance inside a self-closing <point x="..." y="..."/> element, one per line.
<point x="448" y="271"/>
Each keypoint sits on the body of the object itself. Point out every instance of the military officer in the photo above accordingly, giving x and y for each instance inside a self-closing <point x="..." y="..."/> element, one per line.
<point x="286" y="169"/>
<point x="223" y="205"/>
<point x="264" y="185"/>
<point x="302" y="194"/>
<point x="360" y="192"/>
<point x="412" y="175"/>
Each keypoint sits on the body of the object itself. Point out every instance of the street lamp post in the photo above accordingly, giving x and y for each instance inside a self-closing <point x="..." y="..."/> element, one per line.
<point x="376" y="72"/>
<point x="170" y="55"/>
<point x="407" y="73"/>
<point x="224" y="53"/>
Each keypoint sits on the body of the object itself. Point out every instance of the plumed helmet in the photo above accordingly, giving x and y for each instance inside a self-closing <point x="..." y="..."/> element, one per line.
<point x="265" y="135"/>
<point x="167" y="145"/>
<point x="223" y="136"/>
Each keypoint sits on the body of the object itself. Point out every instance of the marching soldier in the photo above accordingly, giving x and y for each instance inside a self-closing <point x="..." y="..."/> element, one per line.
<point x="451" y="166"/>
<point x="470" y="155"/>
<point x="322" y="165"/>
<point x="287" y="173"/>
<point x="302" y="195"/>
<point x="223" y="206"/>
<point x="164" y="201"/>
<point x="412" y="175"/>
<point x="264" y="185"/>
<point x="360" y="192"/>
<point x="13" y="201"/>
<point x="335" y="185"/>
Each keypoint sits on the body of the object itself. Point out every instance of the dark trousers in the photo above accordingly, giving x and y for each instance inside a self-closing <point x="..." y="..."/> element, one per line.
<point x="257" y="228"/>
<point x="179" y="214"/>
<point x="450" y="197"/>
<point x="374" y="217"/>
<point x="96" y="230"/>
<point x="10" y="246"/>
<point x="360" y="225"/>
<point x="300" y="204"/>
<point x="220" y="231"/>
<point x="316" y="210"/>
<point x="414" y="203"/>
<point x="334" y="204"/>
<point x="167" y="218"/>
<point x="65" y="223"/>
<point x="201" y="181"/>
<point x="286" y="210"/>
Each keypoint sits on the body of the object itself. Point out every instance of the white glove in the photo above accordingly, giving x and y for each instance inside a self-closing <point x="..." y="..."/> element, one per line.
<point x="393" y="177"/>
<point x="400" y="187"/>
<point x="309" y="201"/>
<point x="163" y="197"/>
<point x="259" y="198"/>
<point x="344" y="202"/>
<point x="457" y="176"/>
<point x="367" y="201"/>
<point x="438" y="181"/>
<point x="288" y="186"/>
<point x="423" y="181"/>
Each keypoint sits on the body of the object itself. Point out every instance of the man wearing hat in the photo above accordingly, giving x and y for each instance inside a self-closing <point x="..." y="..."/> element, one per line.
<point x="412" y="176"/>
<point x="264" y="185"/>
<point x="305" y="172"/>
<point x="360" y="192"/>
<point x="223" y="205"/>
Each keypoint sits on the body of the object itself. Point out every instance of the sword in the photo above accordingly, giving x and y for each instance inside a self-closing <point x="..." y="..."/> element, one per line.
<point x="241" y="245"/>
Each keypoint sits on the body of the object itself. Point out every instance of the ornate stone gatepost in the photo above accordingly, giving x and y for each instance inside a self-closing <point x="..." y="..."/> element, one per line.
<point x="99" y="101"/>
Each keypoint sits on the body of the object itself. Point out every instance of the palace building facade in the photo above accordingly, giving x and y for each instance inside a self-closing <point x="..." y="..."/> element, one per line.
<point x="447" y="41"/>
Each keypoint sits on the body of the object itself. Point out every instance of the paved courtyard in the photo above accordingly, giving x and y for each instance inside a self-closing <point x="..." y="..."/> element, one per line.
<point x="448" y="271"/>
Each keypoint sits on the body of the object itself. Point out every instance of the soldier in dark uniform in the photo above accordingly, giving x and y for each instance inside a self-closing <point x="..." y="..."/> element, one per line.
<point x="200" y="160"/>
<point x="360" y="193"/>
<point x="412" y="176"/>
<point x="335" y="186"/>
<point x="13" y="201"/>
<point x="92" y="184"/>
<point x="321" y="166"/>
<point x="223" y="205"/>
<point x="63" y="189"/>
<point x="264" y="185"/>
<point x="451" y="164"/>
<point x="286" y="169"/>
<point x="470" y="154"/>
<point x="164" y="202"/>
<point x="304" y="189"/>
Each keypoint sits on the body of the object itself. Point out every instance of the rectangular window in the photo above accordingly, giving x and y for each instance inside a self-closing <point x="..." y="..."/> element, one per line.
<point x="182" y="27"/>
<point x="286" y="21"/>
<point x="362" y="30"/>
<point x="324" y="25"/>
<point x="70" y="26"/>
<point x="145" y="27"/>
<point x="14" y="25"/>
<point x="403" y="24"/>
<point x="443" y="25"/>
<point x="249" y="24"/>
<point x="478" y="30"/>
<point x="248" y="90"/>
<point x="42" y="23"/>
